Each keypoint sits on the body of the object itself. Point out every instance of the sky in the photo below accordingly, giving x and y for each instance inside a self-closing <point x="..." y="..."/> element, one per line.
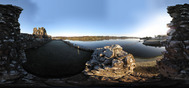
<point x="137" y="18"/>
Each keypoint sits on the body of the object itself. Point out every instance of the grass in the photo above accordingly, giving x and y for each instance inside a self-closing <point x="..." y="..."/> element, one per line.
<point x="147" y="67"/>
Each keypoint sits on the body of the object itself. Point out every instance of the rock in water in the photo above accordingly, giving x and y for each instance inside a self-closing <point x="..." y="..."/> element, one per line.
<point x="175" y="62"/>
<point x="110" y="62"/>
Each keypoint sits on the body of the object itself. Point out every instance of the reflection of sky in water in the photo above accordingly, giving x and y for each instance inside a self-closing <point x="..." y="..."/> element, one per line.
<point x="132" y="46"/>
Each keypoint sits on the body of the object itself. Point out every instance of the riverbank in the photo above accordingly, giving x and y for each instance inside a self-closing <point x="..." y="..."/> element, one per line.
<point x="92" y="38"/>
<point x="154" y="42"/>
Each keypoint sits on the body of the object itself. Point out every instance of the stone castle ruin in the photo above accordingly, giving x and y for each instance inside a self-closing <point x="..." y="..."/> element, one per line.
<point x="175" y="63"/>
<point x="13" y="44"/>
<point x="110" y="62"/>
<point x="40" y="32"/>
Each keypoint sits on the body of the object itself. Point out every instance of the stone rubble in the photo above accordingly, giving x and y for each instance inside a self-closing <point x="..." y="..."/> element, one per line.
<point x="175" y="63"/>
<point x="110" y="62"/>
<point x="13" y="44"/>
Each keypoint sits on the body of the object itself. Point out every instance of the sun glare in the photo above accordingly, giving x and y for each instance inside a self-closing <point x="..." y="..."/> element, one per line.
<point x="154" y="26"/>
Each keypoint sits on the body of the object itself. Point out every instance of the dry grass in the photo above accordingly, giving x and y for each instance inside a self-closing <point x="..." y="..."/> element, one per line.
<point x="147" y="67"/>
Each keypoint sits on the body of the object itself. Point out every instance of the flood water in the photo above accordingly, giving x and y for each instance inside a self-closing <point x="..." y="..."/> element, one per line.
<point x="132" y="46"/>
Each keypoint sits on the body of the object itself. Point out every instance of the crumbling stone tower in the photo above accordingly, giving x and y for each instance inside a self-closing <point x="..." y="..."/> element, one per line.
<point x="35" y="31"/>
<point x="175" y="63"/>
<point x="11" y="55"/>
<point x="40" y="32"/>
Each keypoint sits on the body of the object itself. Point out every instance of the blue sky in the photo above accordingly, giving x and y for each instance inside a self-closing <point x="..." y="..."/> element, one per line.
<point x="95" y="17"/>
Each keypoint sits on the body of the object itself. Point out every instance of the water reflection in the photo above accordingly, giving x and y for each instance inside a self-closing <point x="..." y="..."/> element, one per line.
<point x="78" y="51"/>
<point x="130" y="45"/>
<point x="156" y="46"/>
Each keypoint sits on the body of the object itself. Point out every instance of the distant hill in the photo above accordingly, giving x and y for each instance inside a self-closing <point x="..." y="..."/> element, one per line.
<point x="92" y="38"/>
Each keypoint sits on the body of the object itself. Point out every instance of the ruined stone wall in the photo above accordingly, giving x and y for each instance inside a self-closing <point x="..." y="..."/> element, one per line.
<point x="32" y="41"/>
<point x="13" y="44"/>
<point x="110" y="63"/>
<point x="40" y="32"/>
<point x="175" y="63"/>
<point x="10" y="54"/>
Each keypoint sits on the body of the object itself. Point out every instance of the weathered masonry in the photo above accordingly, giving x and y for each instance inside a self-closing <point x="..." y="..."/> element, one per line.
<point x="175" y="63"/>
<point x="13" y="44"/>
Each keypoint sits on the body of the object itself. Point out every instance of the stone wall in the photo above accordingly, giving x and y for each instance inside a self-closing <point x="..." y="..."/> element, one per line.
<point x="31" y="41"/>
<point x="13" y="44"/>
<point x="175" y="63"/>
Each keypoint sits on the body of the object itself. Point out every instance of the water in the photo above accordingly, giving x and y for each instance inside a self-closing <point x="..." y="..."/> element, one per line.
<point x="132" y="46"/>
<point x="56" y="59"/>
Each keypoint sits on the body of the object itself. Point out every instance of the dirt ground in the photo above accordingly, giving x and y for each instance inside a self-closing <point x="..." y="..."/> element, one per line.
<point x="146" y="75"/>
